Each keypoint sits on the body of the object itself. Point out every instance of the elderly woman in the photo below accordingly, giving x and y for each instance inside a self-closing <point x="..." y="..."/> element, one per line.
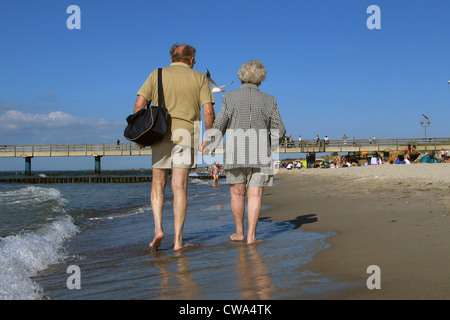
<point x="254" y="128"/>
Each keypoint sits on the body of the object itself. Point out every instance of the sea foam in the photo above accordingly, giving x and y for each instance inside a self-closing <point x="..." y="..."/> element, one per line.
<point x="23" y="256"/>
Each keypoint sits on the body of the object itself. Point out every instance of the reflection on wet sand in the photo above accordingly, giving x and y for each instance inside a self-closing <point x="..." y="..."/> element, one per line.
<point x="216" y="268"/>
<point x="177" y="281"/>
<point x="178" y="274"/>
<point x="254" y="278"/>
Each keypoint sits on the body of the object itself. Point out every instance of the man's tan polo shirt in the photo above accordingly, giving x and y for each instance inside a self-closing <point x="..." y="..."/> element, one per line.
<point x="185" y="91"/>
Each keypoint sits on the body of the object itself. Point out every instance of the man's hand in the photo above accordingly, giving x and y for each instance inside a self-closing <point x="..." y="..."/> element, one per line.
<point x="204" y="150"/>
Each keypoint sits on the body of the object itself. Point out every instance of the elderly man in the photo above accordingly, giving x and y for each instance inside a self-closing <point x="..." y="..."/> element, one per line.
<point x="185" y="90"/>
<point x="254" y="129"/>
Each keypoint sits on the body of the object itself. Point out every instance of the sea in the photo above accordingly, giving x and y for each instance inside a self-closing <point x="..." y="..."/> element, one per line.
<point x="90" y="241"/>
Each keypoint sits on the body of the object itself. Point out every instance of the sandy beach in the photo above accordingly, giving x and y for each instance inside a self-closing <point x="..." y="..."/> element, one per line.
<point x="396" y="217"/>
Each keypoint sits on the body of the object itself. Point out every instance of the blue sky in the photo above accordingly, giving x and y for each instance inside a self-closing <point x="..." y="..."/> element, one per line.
<point x="331" y="75"/>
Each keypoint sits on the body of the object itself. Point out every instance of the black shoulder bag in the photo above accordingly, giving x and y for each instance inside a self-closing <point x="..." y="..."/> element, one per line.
<point x="149" y="125"/>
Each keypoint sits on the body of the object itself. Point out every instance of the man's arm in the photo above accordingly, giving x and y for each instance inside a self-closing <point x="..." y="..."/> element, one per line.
<point x="208" y="119"/>
<point x="208" y="115"/>
<point x="140" y="103"/>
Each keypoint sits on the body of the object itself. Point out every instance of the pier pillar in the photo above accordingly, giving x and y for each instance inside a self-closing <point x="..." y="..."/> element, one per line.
<point x="98" y="169"/>
<point x="28" y="166"/>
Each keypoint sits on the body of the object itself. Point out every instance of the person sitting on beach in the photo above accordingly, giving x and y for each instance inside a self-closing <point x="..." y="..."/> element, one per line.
<point x="411" y="153"/>
<point x="400" y="159"/>
<point x="443" y="155"/>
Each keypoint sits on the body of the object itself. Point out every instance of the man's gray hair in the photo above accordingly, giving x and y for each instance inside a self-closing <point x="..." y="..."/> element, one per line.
<point x="252" y="72"/>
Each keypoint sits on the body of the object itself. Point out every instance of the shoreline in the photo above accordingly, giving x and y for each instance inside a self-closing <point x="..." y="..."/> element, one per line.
<point x="394" y="216"/>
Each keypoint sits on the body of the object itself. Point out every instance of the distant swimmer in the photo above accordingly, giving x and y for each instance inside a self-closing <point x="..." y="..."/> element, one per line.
<point x="215" y="87"/>
<point x="215" y="171"/>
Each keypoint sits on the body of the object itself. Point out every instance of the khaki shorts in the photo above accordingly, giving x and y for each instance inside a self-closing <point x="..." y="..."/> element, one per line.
<point x="252" y="176"/>
<point x="168" y="155"/>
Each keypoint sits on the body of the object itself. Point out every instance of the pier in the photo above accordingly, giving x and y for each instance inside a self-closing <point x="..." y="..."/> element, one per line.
<point x="97" y="151"/>
<point x="363" y="145"/>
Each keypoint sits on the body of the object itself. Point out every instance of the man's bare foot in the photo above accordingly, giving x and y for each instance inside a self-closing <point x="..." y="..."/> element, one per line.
<point x="236" y="237"/>
<point x="157" y="240"/>
<point x="252" y="240"/>
<point x="177" y="247"/>
<point x="183" y="246"/>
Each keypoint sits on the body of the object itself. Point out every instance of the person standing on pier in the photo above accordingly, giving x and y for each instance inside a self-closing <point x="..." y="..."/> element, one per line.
<point x="185" y="90"/>
<point x="254" y="128"/>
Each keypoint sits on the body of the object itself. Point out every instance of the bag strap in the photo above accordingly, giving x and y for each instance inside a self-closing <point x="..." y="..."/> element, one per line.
<point x="161" y="101"/>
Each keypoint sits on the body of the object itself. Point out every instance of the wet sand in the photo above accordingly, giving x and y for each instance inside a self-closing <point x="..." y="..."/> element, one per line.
<point x="394" y="216"/>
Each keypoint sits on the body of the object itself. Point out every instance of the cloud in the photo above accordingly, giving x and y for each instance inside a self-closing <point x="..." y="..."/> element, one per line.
<point x="57" y="127"/>
<point x="4" y="106"/>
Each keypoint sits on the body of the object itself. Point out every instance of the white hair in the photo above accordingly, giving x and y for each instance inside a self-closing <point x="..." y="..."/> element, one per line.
<point x="252" y="72"/>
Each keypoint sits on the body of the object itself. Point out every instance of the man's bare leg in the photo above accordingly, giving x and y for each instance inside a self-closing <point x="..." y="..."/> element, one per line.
<point x="254" y="196"/>
<point x="159" y="179"/>
<point x="179" y="189"/>
<point x="237" y="195"/>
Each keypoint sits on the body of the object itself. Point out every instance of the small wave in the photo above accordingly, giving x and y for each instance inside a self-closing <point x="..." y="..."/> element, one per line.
<point x="117" y="215"/>
<point x="30" y="195"/>
<point x="200" y="181"/>
<point x="23" y="256"/>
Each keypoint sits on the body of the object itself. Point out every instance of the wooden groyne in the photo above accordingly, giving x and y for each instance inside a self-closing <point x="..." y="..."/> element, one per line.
<point x="100" y="179"/>
<point x="87" y="179"/>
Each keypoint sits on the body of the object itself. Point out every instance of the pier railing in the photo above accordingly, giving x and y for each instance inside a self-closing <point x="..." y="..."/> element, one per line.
<point x="73" y="150"/>
<point x="355" y="145"/>
<point x="295" y="146"/>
